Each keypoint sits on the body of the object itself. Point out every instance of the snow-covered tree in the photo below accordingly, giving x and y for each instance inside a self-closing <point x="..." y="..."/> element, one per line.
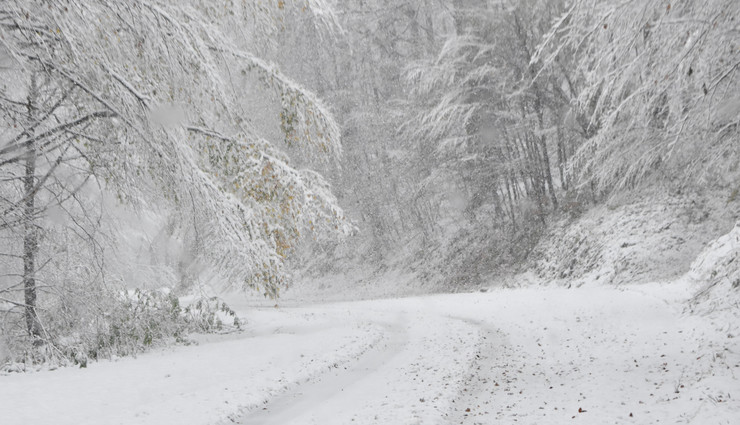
<point x="146" y="100"/>
<point x="655" y="84"/>
<point x="360" y="73"/>
<point x="491" y="124"/>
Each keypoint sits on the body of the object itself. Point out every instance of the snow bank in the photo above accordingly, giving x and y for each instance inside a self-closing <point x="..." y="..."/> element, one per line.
<point x="636" y="242"/>
<point x="717" y="271"/>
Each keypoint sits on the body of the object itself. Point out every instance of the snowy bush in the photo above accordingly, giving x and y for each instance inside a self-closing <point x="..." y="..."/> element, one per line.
<point x="210" y="314"/>
<point x="116" y="324"/>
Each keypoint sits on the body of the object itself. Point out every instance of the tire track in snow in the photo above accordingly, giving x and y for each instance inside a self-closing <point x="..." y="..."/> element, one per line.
<point x="412" y="376"/>
<point x="300" y="401"/>
<point x="475" y="403"/>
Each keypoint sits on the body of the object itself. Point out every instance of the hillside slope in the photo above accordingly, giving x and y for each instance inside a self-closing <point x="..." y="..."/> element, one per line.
<point x="653" y="239"/>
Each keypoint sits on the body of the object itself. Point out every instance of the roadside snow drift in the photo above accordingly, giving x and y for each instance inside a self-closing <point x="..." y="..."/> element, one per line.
<point x="717" y="271"/>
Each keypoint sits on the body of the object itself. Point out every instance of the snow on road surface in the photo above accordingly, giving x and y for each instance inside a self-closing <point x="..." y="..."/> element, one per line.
<point x="526" y="356"/>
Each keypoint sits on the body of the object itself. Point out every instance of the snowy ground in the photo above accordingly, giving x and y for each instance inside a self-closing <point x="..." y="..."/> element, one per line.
<point x="593" y="355"/>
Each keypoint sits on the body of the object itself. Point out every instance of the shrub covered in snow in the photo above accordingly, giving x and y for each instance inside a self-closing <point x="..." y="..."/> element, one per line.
<point x="119" y="324"/>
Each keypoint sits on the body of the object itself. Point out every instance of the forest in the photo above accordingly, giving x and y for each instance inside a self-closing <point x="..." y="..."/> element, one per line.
<point x="156" y="153"/>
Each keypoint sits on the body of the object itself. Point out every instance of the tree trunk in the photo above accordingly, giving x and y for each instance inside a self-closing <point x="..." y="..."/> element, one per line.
<point x="538" y="108"/>
<point x="548" y="173"/>
<point x="562" y="159"/>
<point x="30" y="239"/>
<point x="511" y="204"/>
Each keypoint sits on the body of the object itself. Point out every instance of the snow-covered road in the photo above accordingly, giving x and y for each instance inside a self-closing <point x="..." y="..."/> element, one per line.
<point x="410" y="376"/>
<point x="531" y="356"/>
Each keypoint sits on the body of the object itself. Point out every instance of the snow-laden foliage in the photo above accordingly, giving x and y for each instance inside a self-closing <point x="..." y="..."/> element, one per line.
<point x="490" y="125"/>
<point x="278" y="201"/>
<point x="655" y="84"/>
<point x="146" y="100"/>
<point x="536" y="107"/>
